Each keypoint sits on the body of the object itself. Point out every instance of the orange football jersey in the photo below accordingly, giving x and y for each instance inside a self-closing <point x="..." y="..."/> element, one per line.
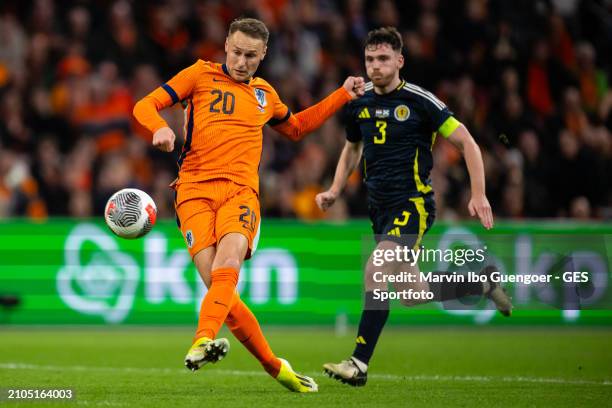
<point x="224" y="121"/>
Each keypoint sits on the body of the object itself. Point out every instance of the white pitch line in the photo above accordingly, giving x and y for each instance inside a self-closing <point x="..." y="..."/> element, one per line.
<point x="384" y="377"/>
<point x="478" y="378"/>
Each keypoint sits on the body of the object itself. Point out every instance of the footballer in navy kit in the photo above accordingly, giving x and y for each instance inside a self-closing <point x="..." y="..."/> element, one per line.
<point x="394" y="126"/>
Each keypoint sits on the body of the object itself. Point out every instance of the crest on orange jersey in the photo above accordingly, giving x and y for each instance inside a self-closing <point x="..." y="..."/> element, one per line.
<point x="260" y="94"/>
<point x="189" y="238"/>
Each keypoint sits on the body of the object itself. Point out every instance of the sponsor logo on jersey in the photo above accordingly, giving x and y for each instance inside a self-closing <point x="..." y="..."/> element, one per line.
<point x="401" y="113"/>
<point x="364" y="114"/>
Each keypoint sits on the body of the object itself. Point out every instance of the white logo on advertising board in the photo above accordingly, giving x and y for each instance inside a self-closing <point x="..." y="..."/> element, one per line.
<point x="102" y="284"/>
<point x="99" y="279"/>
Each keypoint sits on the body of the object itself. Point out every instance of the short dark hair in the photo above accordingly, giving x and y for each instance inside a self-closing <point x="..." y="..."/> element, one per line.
<point x="385" y="35"/>
<point x="250" y="26"/>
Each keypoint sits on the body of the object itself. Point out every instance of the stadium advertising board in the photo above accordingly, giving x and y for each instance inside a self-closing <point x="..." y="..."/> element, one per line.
<point x="66" y="272"/>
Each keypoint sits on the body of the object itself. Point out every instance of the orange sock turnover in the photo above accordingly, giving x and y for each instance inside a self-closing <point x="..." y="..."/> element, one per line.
<point x="243" y="324"/>
<point x="217" y="302"/>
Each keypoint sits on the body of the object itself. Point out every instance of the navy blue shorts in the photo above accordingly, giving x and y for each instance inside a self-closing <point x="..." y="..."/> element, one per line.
<point x="405" y="224"/>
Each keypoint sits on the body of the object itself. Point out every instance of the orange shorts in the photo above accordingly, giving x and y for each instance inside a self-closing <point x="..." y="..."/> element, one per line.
<point x="207" y="211"/>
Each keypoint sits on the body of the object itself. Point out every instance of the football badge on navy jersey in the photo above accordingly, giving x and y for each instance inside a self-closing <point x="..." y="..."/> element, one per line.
<point x="401" y="113"/>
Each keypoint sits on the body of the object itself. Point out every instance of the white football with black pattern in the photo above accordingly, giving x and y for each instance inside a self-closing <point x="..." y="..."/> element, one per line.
<point x="130" y="213"/>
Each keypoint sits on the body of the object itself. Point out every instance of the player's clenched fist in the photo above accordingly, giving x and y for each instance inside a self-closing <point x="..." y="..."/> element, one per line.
<point x="326" y="199"/>
<point x="163" y="139"/>
<point x="355" y="86"/>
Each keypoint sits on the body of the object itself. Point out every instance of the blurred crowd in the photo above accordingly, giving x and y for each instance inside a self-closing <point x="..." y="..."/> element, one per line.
<point x="529" y="78"/>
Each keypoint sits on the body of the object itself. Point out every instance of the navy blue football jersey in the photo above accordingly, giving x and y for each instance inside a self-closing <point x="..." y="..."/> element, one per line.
<point x="398" y="131"/>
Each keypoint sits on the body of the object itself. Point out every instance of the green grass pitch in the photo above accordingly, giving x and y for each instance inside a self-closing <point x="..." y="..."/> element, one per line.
<point x="412" y="367"/>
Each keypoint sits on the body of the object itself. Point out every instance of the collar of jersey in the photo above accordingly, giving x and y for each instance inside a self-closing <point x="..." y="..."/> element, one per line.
<point x="226" y="72"/>
<point x="400" y="86"/>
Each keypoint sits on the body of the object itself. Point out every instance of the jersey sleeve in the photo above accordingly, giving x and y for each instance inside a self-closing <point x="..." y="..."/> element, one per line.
<point x="353" y="132"/>
<point x="437" y="112"/>
<point x="295" y="127"/>
<point x="280" y="111"/>
<point x="181" y="85"/>
<point x="178" y="88"/>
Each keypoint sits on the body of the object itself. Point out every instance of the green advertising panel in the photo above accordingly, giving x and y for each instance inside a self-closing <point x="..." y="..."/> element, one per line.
<point x="78" y="272"/>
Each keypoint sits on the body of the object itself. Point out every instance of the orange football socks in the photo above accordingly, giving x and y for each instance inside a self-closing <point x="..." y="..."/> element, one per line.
<point x="217" y="302"/>
<point x="243" y="324"/>
<point x="223" y="304"/>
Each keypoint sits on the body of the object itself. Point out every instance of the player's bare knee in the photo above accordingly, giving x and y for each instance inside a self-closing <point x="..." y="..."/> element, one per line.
<point x="369" y="274"/>
<point x="373" y="278"/>
<point x="228" y="262"/>
<point x="203" y="261"/>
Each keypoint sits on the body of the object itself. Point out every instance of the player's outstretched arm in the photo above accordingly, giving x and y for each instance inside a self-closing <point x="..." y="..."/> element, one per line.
<point x="349" y="159"/>
<point x="146" y="110"/>
<point x="479" y="204"/>
<point x="299" y="125"/>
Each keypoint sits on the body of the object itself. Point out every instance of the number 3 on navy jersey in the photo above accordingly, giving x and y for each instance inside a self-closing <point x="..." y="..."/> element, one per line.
<point x="381" y="125"/>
